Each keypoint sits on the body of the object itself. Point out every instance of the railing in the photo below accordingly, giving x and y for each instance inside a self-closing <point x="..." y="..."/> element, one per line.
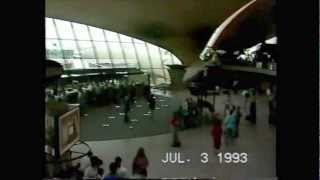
<point x="270" y="66"/>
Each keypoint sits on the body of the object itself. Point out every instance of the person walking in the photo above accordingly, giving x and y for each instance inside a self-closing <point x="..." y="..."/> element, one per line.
<point x="253" y="111"/>
<point x="230" y="126"/>
<point x="126" y="109"/>
<point x="113" y="172"/>
<point x="133" y="93"/>
<point x="140" y="164"/>
<point x="226" y="109"/>
<point x="238" y="118"/>
<point x="122" y="172"/>
<point x="152" y="102"/>
<point x="175" y="123"/>
<point x="246" y="96"/>
<point x="216" y="131"/>
<point x="92" y="170"/>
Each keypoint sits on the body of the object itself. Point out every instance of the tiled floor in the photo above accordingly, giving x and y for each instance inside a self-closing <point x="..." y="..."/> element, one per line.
<point x="257" y="141"/>
<point x="107" y="123"/>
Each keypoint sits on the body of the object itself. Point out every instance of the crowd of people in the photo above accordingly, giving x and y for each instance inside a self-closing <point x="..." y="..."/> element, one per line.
<point x="98" y="93"/>
<point x="229" y="127"/>
<point x="91" y="168"/>
<point x="191" y="115"/>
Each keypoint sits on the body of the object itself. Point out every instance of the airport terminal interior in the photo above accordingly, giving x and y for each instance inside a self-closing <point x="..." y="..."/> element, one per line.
<point x="160" y="89"/>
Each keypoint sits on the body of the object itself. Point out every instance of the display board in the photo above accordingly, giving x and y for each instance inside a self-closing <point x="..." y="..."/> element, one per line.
<point x="68" y="129"/>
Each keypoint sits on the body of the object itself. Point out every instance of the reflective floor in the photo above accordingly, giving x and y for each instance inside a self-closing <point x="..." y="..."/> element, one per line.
<point x="107" y="123"/>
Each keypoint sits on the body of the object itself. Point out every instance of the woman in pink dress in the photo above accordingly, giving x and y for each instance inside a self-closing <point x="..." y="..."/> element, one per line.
<point x="140" y="164"/>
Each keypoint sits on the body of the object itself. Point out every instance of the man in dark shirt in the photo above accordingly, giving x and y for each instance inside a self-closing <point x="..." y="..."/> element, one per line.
<point x="112" y="174"/>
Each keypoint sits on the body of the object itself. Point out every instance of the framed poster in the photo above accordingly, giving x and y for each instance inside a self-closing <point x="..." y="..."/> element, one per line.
<point x="69" y="129"/>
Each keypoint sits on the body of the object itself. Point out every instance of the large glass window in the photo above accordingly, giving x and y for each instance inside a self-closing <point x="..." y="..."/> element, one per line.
<point x="78" y="46"/>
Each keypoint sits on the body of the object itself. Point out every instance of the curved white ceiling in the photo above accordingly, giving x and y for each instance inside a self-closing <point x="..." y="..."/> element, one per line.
<point x="181" y="26"/>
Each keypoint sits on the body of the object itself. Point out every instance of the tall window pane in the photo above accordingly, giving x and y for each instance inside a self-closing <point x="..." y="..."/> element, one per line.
<point x="111" y="36"/>
<point x="96" y="34"/>
<point x="64" y="29"/>
<point x="81" y="31"/>
<point x="155" y="56"/>
<point x="86" y="50"/>
<point x="129" y="50"/>
<point x="115" y="49"/>
<point x="124" y="38"/>
<point x="154" y="51"/>
<point x="69" y="49"/>
<point x="166" y="56"/>
<point x="143" y="56"/>
<point x="50" y="29"/>
<point x="102" y="50"/>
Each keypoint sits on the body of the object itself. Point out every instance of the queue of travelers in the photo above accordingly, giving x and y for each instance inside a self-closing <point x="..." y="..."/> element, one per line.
<point x="98" y="93"/>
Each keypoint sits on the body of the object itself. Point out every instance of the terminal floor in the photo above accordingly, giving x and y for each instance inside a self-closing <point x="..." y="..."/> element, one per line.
<point x="106" y="123"/>
<point x="258" y="141"/>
